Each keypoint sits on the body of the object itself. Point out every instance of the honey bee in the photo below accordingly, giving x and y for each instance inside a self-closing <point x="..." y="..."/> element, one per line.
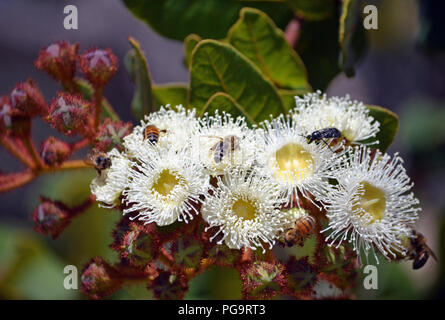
<point x="225" y="145"/>
<point x="99" y="160"/>
<point x="302" y="229"/>
<point x="419" y="251"/>
<point x="151" y="133"/>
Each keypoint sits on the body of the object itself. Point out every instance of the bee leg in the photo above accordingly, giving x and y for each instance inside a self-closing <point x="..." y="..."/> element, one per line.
<point x="327" y="145"/>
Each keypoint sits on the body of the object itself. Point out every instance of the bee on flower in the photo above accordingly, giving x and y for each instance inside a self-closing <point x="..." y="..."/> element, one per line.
<point x="225" y="143"/>
<point x="174" y="127"/>
<point x="111" y="182"/>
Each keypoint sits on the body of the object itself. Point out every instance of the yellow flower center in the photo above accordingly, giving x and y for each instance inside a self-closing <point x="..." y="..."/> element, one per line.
<point x="166" y="182"/>
<point x="373" y="201"/>
<point x="348" y="134"/>
<point x="293" y="159"/>
<point x="244" y="209"/>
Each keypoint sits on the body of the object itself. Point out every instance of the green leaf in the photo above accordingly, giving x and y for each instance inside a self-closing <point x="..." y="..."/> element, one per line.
<point x="137" y="67"/>
<point x="256" y="36"/>
<point x="29" y="269"/>
<point x="218" y="67"/>
<point x="87" y="91"/>
<point x="351" y="36"/>
<point x="389" y="124"/>
<point x="312" y="9"/>
<point x="173" y="94"/>
<point x="190" y="43"/>
<point x="222" y="101"/>
<point x="288" y="97"/>
<point x="176" y="19"/>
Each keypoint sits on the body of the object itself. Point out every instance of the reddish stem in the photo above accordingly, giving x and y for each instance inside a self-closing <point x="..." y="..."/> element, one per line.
<point x="166" y="258"/>
<point x="29" y="144"/>
<point x="16" y="152"/>
<point x="98" y="91"/>
<point x="83" y="206"/>
<point x="15" y="180"/>
<point x="67" y="165"/>
<point x="79" y="144"/>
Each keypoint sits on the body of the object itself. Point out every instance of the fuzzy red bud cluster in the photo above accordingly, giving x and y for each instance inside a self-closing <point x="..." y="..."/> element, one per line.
<point x="51" y="217"/>
<point x="99" y="279"/>
<point x="98" y="65"/>
<point x="54" y="151"/>
<point x="111" y="134"/>
<point x="59" y="60"/>
<point x="69" y="114"/>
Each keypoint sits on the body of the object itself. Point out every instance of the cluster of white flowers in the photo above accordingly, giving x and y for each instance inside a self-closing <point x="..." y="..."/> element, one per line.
<point x="242" y="180"/>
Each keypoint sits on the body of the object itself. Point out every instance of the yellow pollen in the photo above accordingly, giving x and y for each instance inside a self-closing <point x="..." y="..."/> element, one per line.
<point x="244" y="209"/>
<point x="373" y="201"/>
<point x="166" y="182"/>
<point x="293" y="159"/>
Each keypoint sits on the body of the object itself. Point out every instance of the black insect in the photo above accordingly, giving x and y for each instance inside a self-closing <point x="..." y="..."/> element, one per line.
<point x="419" y="251"/>
<point x="326" y="133"/>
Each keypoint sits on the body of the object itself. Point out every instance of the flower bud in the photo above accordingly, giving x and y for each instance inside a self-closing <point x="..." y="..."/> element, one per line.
<point x="51" y="217"/>
<point x="140" y="245"/>
<point x="187" y="251"/>
<point x="54" y="151"/>
<point x="223" y="256"/>
<point x="263" y="280"/>
<point x="99" y="279"/>
<point x="12" y="121"/>
<point x="301" y="276"/>
<point x="98" y="65"/>
<point x="69" y="114"/>
<point x="28" y="100"/>
<point x="169" y="286"/>
<point x="110" y="135"/>
<point x="6" y="114"/>
<point x="59" y="60"/>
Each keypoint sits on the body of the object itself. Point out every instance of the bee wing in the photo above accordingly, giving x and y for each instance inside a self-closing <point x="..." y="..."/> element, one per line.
<point x="89" y="159"/>
<point x="431" y="252"/>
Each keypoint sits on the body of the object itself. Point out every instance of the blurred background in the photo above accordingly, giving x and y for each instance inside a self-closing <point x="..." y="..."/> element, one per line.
<point x="403" y="70"/>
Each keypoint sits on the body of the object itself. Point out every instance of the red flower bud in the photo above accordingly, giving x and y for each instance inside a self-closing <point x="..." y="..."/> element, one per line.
<point x="51" y="217"/>
<point x="111" y="134"/>
<point x="59" y="60"/>
<point x="187" y="251"/>
<point x="99" y="279"/>
<point x="263" y="280"/>
<point x="69" y="114"/>
<point x="6" y="114"/>
<point x="98" y="65"/>
<point x="12" y="121"/>
<point x="137" y="244"/>
<point x="169" y="286"/>
<point x="54" y="151"/>
<point x="28" y="100"/>
<point x="302" y="276"/>
<point x="223" y="256"/>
